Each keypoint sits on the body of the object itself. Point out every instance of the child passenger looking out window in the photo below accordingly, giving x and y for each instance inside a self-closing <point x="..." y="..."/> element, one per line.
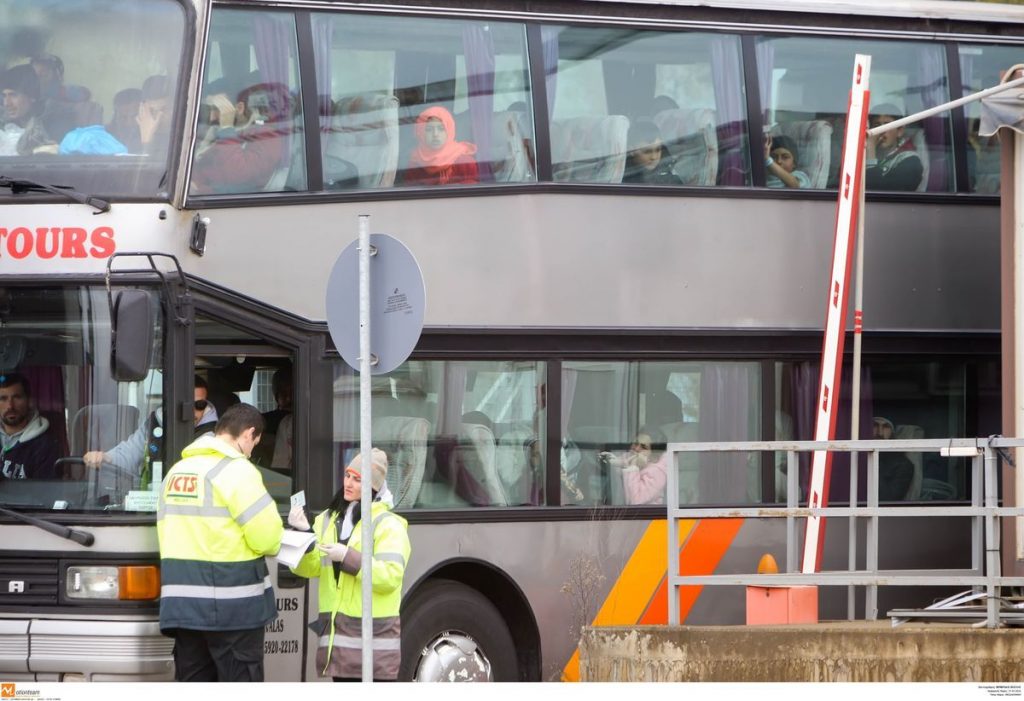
<point x="648" y="162"/>
<point x="780" y="159"/>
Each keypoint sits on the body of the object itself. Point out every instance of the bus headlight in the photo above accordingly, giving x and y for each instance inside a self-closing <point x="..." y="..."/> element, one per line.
<point x="129" y="583"/>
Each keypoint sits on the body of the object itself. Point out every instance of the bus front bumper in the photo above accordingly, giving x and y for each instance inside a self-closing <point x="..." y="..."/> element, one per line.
<point x="85" y="650"/>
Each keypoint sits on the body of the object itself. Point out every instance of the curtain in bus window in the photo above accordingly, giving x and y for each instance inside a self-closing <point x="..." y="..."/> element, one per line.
<point x="727" y="397"/>
<point x="569" y="379"/>
<point x="323" y="39"/>
<point x="967" y="77"/>
<point x="549" y="47"/>
<point x="982" y="67"/>
<point x="933" y="86"/>
<point x="972" y="84"/>
<point x="569" y="452"/>
<point x="765" y="52"/>
<point x="450" y="394"/>
<point x="48" y="394"/>
<point x="727" y="76"/>
<point x="273" y="45"/>
<point x="479" y="47"/>
<point x="804" y="391"/>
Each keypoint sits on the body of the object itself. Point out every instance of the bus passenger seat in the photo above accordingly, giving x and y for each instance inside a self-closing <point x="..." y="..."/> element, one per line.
<point x="477" y="449"/>
<point x="102" y="426"/>
<point x="511" y="155"/>
<point x="290" y="173"/>
<point x="364" y="132"/>
<point x="589" y="149"/>
<point x="692" y="142"/>
<point x="917" y="137"/>
<point x="512" y="464"/>
<point x="813" y="139"/>
<point x="404" y="438"/>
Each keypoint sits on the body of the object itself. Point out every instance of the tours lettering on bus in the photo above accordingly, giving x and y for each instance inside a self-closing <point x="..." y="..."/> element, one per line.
<point x="57" y="242"/>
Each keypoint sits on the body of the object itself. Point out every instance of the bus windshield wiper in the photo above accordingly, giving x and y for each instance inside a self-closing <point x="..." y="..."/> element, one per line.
<point x="80" y="537"/>
<point x="20" y="185"/>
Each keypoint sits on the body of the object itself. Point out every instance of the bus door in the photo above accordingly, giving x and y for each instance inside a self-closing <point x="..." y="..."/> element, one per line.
<point x="234" y="365"/>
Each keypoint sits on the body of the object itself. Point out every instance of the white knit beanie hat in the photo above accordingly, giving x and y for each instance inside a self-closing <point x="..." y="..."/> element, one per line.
<point x="379" y="461"/>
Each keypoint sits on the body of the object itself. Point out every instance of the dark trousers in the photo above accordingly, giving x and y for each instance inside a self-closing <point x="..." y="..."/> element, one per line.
<point x="218" y="655"/>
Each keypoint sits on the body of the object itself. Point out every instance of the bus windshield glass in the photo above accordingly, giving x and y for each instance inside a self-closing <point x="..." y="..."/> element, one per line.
<point x="72" y="437"/>
<point x="88" y="89"/>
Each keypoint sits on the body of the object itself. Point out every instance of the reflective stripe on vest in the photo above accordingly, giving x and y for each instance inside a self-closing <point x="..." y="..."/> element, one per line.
<point x="192" y="591"/>
<point x="325" y="561"/>
<point x="257" y="506"/>
<point x="357" y="643"/>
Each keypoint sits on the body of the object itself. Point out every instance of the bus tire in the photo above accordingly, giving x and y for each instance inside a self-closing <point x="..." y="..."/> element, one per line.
<point x="454" y="633"/>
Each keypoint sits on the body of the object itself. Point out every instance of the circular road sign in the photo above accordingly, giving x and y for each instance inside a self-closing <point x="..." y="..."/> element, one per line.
<point x="397" y="303"/>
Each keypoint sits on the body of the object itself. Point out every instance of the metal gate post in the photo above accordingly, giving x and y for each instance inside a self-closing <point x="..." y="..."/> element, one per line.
<point x="871" y="539"/>
<point x="792" y="502"/>
<point x="977" y="522"/>
<point x="672" y="489"/>
<point x="851" y="547"/>
<point x="992" y="564"/>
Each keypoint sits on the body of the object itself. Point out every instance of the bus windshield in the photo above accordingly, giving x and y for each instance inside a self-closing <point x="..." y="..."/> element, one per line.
<point x="60" y="404"/>
<point x="88" y="89"/>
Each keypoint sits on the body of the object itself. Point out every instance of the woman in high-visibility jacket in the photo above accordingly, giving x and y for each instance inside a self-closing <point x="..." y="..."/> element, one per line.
<point x="337" y="560"/>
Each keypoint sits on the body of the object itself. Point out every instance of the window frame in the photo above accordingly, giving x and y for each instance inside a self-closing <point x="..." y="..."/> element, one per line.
<point x="544" y="183"/>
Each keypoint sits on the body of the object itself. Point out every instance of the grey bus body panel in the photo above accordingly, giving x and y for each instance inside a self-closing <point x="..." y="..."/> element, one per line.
<point x="547" y="260"/>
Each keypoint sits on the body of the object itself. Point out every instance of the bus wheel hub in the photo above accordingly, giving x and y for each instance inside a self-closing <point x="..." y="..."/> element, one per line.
<point x="453" y="657"/>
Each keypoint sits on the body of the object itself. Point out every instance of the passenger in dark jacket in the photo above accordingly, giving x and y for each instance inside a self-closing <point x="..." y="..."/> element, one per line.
<point x="28" y="449"/>
<point x="647" y="162"/>
<point x="892" y="161"/>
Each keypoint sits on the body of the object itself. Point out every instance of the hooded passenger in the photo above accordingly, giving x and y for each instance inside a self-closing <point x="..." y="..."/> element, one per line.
<point x="28" y="449"/>
<point x="439" y="159"/>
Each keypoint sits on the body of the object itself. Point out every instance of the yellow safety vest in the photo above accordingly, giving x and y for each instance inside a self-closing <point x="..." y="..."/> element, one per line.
<point x="216" y="523"/>
<point x="341" y="596"/>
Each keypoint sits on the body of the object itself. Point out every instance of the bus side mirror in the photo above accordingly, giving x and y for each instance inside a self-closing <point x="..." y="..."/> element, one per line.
<point x="132" y="342"/>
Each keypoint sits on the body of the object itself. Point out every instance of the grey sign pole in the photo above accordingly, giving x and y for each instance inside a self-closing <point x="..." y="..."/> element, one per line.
<point x="374" y="337"/>
<point x="365" y="444"/>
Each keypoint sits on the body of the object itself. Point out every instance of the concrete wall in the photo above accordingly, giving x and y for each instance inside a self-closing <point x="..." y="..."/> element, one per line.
<point x="837" y="652"/>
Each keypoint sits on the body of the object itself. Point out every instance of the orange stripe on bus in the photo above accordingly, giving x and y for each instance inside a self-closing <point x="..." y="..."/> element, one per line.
<point x="646" y="567"/>
<point x="640" y="594"/>
<point x="700" y="554"/>
<point x="631" y="593"/>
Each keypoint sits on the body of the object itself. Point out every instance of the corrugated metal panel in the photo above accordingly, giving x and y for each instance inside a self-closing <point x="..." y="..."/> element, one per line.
<point x="13" y="647"/>
<point x="89" y="647"/>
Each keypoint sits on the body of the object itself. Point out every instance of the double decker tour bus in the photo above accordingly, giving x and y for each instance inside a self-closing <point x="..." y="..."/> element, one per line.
<point x="611" y="262"/>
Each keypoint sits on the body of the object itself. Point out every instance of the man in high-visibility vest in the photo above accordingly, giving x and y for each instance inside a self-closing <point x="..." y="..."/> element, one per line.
<point x="216" y="523"/>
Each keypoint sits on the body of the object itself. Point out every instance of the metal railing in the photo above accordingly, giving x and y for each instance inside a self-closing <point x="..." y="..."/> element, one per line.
<point x="983" y="510"/>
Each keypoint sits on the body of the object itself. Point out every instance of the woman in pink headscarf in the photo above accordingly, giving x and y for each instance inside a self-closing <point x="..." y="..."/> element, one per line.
<point x="440" y="159"/>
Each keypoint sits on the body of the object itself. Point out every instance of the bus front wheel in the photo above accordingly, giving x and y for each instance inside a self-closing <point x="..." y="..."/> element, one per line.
<point x="453" y="633"/>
